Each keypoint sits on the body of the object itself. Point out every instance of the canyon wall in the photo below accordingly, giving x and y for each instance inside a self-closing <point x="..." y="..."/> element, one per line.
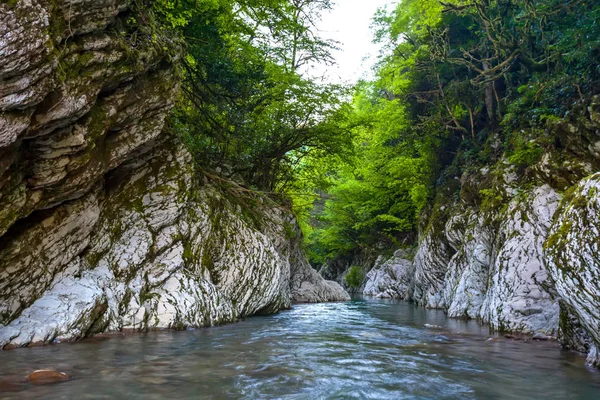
<point x="105" y="224"/>
<point x="519" y="249"/>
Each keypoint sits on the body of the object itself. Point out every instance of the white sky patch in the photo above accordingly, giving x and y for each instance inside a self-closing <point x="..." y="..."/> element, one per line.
<point x="350" y="23"/>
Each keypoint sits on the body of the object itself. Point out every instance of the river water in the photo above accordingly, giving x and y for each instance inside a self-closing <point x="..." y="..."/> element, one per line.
<point x="363" y="349"/>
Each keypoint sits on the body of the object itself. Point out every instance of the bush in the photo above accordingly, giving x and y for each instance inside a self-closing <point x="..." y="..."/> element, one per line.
<point x="354" y="277"/>
<point x="525" y="153"/>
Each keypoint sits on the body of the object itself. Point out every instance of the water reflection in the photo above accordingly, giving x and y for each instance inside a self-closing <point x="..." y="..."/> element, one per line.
<point x="364" y="349"/>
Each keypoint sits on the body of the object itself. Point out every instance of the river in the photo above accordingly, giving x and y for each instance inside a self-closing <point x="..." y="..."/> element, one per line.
<point x="363" y="349"/>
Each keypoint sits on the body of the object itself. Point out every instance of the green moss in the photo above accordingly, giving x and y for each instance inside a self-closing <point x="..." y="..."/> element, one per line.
<point x="558" y="241"/>
<point x="189" y="256"/>
<point x="146" y="295"/>
<point x="207" y="262"/>
<point x="291" y="232"/>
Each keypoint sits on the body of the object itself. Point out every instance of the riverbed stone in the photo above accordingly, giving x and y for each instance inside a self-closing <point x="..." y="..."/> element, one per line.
<point x="47" y="376"/>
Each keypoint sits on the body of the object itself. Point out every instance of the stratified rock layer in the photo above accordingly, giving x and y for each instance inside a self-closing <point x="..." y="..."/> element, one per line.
<point x="471" y="269"/>
<point x="390" y="278"/>
<point x="468" y="275"/>
<point x="76" y="100"/>
<point x="518" y="297"/>
<point x="573" y="259"/>
<point x="104" y="223"/>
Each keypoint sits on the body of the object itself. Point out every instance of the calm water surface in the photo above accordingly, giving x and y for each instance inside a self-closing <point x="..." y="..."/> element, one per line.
<point x="364" y="349"/>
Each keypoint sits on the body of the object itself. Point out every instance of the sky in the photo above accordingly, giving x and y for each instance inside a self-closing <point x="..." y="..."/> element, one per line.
<point x="350" y="23"/>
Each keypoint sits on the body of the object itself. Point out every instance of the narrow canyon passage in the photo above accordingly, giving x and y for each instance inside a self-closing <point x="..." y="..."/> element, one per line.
<point x="191" y="192"/>
<point x="365" y="348"/>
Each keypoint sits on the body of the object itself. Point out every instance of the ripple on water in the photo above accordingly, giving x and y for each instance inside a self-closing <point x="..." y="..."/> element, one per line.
<point x="364" y="349"/>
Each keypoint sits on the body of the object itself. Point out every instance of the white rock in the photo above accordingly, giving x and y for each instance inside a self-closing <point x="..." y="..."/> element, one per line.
<point x="517" y="298"/>
<point x="149" y="255"/>
<point x="572" y="257"/>
<point x="390" y="278"/>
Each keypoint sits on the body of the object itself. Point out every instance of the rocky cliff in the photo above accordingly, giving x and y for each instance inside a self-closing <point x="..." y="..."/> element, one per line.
<point x="105" y="225"/>
<point x="572" y="255"/>
<point x="518" y="249"/>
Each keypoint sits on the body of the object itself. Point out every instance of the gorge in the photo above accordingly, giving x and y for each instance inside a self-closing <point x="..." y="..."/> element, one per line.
<point x="155" y="164"/>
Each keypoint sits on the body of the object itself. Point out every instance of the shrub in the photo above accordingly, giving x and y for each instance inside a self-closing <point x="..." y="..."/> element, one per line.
<point x="354" y="277"/>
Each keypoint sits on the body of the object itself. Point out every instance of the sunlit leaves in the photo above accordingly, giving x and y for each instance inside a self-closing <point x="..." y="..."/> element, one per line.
<point x="247" y="104"/>
<point x="375" y="197"/>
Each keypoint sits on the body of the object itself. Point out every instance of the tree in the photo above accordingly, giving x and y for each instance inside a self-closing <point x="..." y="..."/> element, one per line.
<point x="296" y="37"/>
<point x="461" y="84"/>
<point x="247" y="106"/>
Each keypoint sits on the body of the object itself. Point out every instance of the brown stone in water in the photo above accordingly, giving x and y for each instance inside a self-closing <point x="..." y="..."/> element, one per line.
<point x="45" y="376"/>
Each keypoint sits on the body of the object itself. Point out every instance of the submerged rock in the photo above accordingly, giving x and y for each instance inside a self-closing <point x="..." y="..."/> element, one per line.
<point x="541" y="337"/>
<point x="47" y="376"/>
<point x="10" y="386"/>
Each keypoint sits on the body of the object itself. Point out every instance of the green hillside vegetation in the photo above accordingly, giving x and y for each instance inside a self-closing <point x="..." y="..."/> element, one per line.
<point x="460" y="84"/>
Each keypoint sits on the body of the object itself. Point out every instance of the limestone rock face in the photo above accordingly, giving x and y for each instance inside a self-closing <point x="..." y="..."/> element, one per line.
<point x="473" y="268"/>
<point x="104" y="223"/>
<point x="390" y="278"/>
<point x="530" y="264"/>
<point x="430" y="267"/>
<point x="75" y="100"/>
<point x="153" y="249"/>
<point x="572" y="335"/>
<point x="505" y="253"/>
<point x="466" y="281"/>
<point x="519" y="298"/>
<point x="573" y="258"/>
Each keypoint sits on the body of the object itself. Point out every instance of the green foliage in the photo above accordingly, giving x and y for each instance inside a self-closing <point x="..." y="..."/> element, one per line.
<point x="460" y="84"/>
<point x="525" y="154"/>
<point x="178" y="13"/>
<point x="374" y="196"/>
<point x="456" y="78"/>
<point x="246" y="105"/>
<point x="355" y="276"/>
<point x="491" y="200"/>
